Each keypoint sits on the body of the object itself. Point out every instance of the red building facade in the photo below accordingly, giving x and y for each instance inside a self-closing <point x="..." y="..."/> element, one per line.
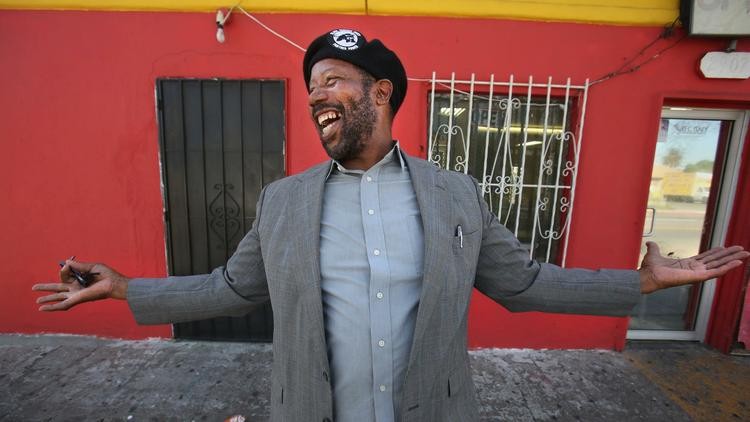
<point x="81" y="168"/>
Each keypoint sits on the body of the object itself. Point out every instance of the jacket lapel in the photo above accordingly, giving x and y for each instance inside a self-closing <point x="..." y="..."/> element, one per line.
<point x="307" y="215"/>
<point x="435" y="207"/>
<point x="310" y="190"/>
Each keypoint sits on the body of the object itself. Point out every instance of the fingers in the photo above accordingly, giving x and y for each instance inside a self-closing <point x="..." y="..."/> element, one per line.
<point x="59" y="306"/>
<point x="719" y="260"/>
<point x="709" y="252"/>
<point x="52" y="298"/>
<point x="63" y="301"/>
<point x="66" y="276"/>
<point x="718" y="252"/>
<point x="50" y="287"/>
<point x="67" y="300"/>
<point x="720" y="271"/>
<point x="691" y="276"/>
<point x="83" y="267"/>
<point x="61" y="296"/>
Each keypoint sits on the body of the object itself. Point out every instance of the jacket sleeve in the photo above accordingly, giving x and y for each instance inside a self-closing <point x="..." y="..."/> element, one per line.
<point x="188" y="298"/>
<point x="506" y="274"/>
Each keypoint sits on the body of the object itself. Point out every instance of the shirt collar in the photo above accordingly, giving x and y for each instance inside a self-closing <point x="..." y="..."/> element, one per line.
<point x="388" y="158"/>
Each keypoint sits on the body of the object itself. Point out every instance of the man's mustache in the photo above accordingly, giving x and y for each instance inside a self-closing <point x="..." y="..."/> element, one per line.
<point x="327" y="106"/>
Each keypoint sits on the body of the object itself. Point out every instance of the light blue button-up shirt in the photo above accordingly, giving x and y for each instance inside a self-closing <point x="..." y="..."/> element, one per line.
<point x="371" y="263"/>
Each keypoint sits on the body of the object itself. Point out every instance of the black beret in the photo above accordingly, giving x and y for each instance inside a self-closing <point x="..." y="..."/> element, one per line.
<point x="373" y="57"/>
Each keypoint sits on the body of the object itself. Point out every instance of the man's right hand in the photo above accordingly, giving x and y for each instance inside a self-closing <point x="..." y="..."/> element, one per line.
<point x="107" y="284"/>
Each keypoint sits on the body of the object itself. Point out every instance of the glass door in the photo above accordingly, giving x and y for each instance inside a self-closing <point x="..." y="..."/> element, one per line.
<point x="690" y="196"/>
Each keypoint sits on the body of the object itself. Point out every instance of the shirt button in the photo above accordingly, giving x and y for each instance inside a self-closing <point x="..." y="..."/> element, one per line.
<point x="376" y="252"/>
<point x="369" y="179"/>
<point x="379" y="295"/>
<point x="382" y="387"/>
<point x="381" y="343"/>
<point x="371" y="212"/>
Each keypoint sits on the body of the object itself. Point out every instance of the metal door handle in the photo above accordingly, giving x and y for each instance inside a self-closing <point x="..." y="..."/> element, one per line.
<point x="650" y="231"/>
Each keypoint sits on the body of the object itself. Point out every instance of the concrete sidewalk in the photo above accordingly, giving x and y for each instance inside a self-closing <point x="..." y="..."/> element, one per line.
<point x="86" y="378"/>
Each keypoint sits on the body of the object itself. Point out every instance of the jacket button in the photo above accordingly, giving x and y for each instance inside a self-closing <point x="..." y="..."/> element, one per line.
<point x="325" y="376"/>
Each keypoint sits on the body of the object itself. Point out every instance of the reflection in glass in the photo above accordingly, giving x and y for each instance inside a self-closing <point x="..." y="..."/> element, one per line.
<point x="527" y="178"/>
<point x="679" y="194"/>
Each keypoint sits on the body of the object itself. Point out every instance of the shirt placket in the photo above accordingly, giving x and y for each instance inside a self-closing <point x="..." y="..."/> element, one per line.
<point x="380" y="324"/>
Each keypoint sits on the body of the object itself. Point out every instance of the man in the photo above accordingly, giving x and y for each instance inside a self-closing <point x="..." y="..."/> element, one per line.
<point x="369" y="261"/>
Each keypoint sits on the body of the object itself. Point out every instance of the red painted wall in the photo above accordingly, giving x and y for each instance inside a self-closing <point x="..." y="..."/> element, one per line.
<point x="730" y="320"/>
<point x="79" y="173"/>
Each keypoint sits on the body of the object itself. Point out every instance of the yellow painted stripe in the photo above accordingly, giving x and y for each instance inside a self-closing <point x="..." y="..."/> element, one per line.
<point x="282" y="6"/>
<point x="621" y="12"/>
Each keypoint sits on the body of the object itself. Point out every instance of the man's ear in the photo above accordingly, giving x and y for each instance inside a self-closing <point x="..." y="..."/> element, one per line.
<point x="383" y="91"/>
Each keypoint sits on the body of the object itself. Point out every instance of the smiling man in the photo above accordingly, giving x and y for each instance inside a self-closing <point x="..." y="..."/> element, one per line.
<point x="355" y="89"/>
<point x="344" y="123"/>
<point x="369" y="261"/>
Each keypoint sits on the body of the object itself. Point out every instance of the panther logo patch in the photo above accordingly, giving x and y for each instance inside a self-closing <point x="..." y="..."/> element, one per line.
<point x="345" y="39"/>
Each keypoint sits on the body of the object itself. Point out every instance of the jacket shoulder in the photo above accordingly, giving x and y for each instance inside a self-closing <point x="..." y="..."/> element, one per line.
<point x="289" y="182"/>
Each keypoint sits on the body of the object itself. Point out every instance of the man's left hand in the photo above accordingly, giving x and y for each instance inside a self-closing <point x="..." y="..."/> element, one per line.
<point x="660" y="272"/>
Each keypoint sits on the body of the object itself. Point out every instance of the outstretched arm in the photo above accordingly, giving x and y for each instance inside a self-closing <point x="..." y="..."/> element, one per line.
<point x="505" y="274"/>
<point x="659" y="272"/>
<point x="106" y="284"/>
<point x="229" y="290"/>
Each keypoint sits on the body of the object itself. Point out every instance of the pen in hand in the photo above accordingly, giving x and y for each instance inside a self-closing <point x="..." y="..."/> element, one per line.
<point x="84" y="279"/>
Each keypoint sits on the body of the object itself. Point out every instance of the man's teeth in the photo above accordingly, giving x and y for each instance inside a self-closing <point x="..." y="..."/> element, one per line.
<point x="326" y="118"/>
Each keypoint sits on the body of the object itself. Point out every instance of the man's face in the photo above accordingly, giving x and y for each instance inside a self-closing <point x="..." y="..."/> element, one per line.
<point x="341" y="107"/>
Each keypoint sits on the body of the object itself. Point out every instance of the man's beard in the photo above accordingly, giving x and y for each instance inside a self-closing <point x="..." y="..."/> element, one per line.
<point x="357" y="125"/>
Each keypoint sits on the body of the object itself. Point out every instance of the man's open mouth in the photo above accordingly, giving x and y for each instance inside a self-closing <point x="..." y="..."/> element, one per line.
<point x="326" y="121"/>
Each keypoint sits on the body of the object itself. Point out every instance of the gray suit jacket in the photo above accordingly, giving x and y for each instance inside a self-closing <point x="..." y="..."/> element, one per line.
<point x="279" y="259"/>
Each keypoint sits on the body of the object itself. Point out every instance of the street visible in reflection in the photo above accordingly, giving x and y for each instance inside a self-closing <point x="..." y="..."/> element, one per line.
<point x="677" y="230"/>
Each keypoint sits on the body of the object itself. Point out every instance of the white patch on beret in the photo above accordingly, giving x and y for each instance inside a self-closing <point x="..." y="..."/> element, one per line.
<point x="345" y="39"/>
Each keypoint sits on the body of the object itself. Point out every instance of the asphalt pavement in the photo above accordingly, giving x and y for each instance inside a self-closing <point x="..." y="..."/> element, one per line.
<point x="78" y="378"/>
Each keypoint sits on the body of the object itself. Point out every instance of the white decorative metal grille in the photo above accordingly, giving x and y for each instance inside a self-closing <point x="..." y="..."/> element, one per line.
<point x="521" y="141"/>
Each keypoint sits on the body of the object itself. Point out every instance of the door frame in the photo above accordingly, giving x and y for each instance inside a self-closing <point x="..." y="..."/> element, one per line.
<point x="722" y="217"/>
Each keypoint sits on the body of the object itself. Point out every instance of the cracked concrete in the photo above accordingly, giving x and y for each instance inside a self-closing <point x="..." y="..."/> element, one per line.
<point x="60" y="378"/>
